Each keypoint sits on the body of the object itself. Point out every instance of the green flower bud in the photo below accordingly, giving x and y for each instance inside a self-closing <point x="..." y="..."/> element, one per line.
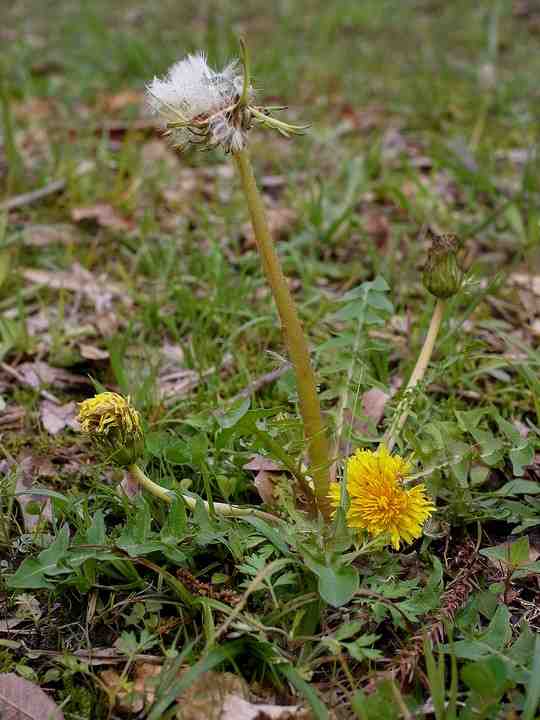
<point x="442" y="275"/>
<point x="114" y="426"/>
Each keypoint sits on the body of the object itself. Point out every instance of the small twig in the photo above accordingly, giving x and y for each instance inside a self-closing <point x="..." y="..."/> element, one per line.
<point x="255" y="385"/>
<point x="35" y="195"/>
<point x="223" y="509"/>
<point x="254" y="585"/>
<point x="417" y="375"/>
<point x="20" y="378"/>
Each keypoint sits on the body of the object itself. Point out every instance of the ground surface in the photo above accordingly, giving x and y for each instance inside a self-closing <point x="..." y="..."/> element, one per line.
<point x="137" y="271"/>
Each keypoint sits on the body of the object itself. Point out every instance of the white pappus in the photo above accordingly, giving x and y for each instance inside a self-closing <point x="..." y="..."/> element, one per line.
<point x="197" y="104"/>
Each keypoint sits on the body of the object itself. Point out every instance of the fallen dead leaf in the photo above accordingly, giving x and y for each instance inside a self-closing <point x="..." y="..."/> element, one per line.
<point x="21" y="699"/>
<point x="265" y="478"/>
<point x="129" y="486"/>
<point x="104" y="215"/>
<point x="373" y="404"/>
<point x="107" y="323"/>
<point x="12" y="418"/>
<point x="122" y="99"/>
<point x="265" y="484"/>
<point x="376" y="224"/>
<point x="261" y="462"/>
<point x="43" y="235"/>
<point x="173" y="353"/>
<point x="131" y="697"/>
<point x="57" y="417"/>
<point x="29" y="468"/>
<point x="204" y="699"/>
<point x="90" y="352"/>
<point x="100" y="291"/>
<point x="37" y="374"/>
<point x="177" y="382"/>
<point x="236" y="708"/>
<point x="527" y="281"/>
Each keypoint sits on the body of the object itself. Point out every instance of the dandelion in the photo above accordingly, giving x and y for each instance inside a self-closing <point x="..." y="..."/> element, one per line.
<point x="114" y="425"/>
<point x="217" y="109"/>
<point x="379" y="503"/>
<point x="208" y="107"/>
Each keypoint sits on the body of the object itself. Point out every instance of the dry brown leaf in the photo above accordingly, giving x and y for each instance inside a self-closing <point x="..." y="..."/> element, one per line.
<point x="100" y="291"/>
<point x="122" y="99"/>
<point x="43" y="235"/>
<point x="107" y="323"/>
<point x="121" y="693"/>
<point x="177" y="382"/>
<point x="173" y="353"/>
<point x="129" y="486"/>
<point x="37" y="374"/>
<point x="104" y="215"/>
<point x="131" y="697"/>
<point x="90" y="352"/>
<point x="265" y="484"/>
<point x="57" y="417"/>
<point x="204" y="699"/>
<point x="265" y="479"/>
<point x="261" y="462"/>
<point x="372" y="410"/>
<point x="377" y="225"/>
<point x="236" y="708"/>
<point x="31" y="467"/>
<point x="12" y="418"/>
<point x="20" y="699"/>
<point x="527" y="281"/>
<point x="373" y="404"/>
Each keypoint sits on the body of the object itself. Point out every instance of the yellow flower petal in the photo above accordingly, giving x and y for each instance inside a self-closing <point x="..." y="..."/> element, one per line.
<point x="379" y="502"/>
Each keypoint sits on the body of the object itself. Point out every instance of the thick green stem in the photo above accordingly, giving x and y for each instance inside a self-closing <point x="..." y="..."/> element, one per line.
<point x="295" y="339"/>
<point x="219" y="508"/>
<point x="418" y="372"/>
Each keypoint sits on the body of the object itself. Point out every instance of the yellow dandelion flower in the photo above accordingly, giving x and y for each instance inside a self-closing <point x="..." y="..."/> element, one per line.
<point x="378" y="501"/>
<point x="112" y="423"/>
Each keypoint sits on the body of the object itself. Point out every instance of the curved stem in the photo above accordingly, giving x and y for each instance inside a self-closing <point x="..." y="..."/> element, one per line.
<point x="295" y="339"/>
<point x="418" y="373"/>
<point x="223" y="509"/>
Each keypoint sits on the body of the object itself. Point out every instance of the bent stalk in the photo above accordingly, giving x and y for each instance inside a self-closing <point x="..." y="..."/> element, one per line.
<point x="219" y="508"/>
<point x="314" y="429"/>
<point x="418" y="373"/>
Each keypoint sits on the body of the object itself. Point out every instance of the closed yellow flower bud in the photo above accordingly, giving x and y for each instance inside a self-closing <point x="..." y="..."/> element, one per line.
<point x="114" y="426"/>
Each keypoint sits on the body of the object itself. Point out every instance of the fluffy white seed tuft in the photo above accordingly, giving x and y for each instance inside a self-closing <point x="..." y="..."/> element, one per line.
<point x="192" y="91"/>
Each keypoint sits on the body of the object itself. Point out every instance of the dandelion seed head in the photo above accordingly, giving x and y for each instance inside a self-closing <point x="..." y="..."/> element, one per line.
<point x="200" y="100"/>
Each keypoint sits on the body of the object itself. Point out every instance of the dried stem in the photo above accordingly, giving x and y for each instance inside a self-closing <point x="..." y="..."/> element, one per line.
<point x="417" y="374"/>
<point x="295" y="339"/>
<point x="219" y="508"/>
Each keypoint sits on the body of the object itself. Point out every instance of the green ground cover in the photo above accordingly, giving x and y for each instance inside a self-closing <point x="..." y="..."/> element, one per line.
<point x="137" y="271"/>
